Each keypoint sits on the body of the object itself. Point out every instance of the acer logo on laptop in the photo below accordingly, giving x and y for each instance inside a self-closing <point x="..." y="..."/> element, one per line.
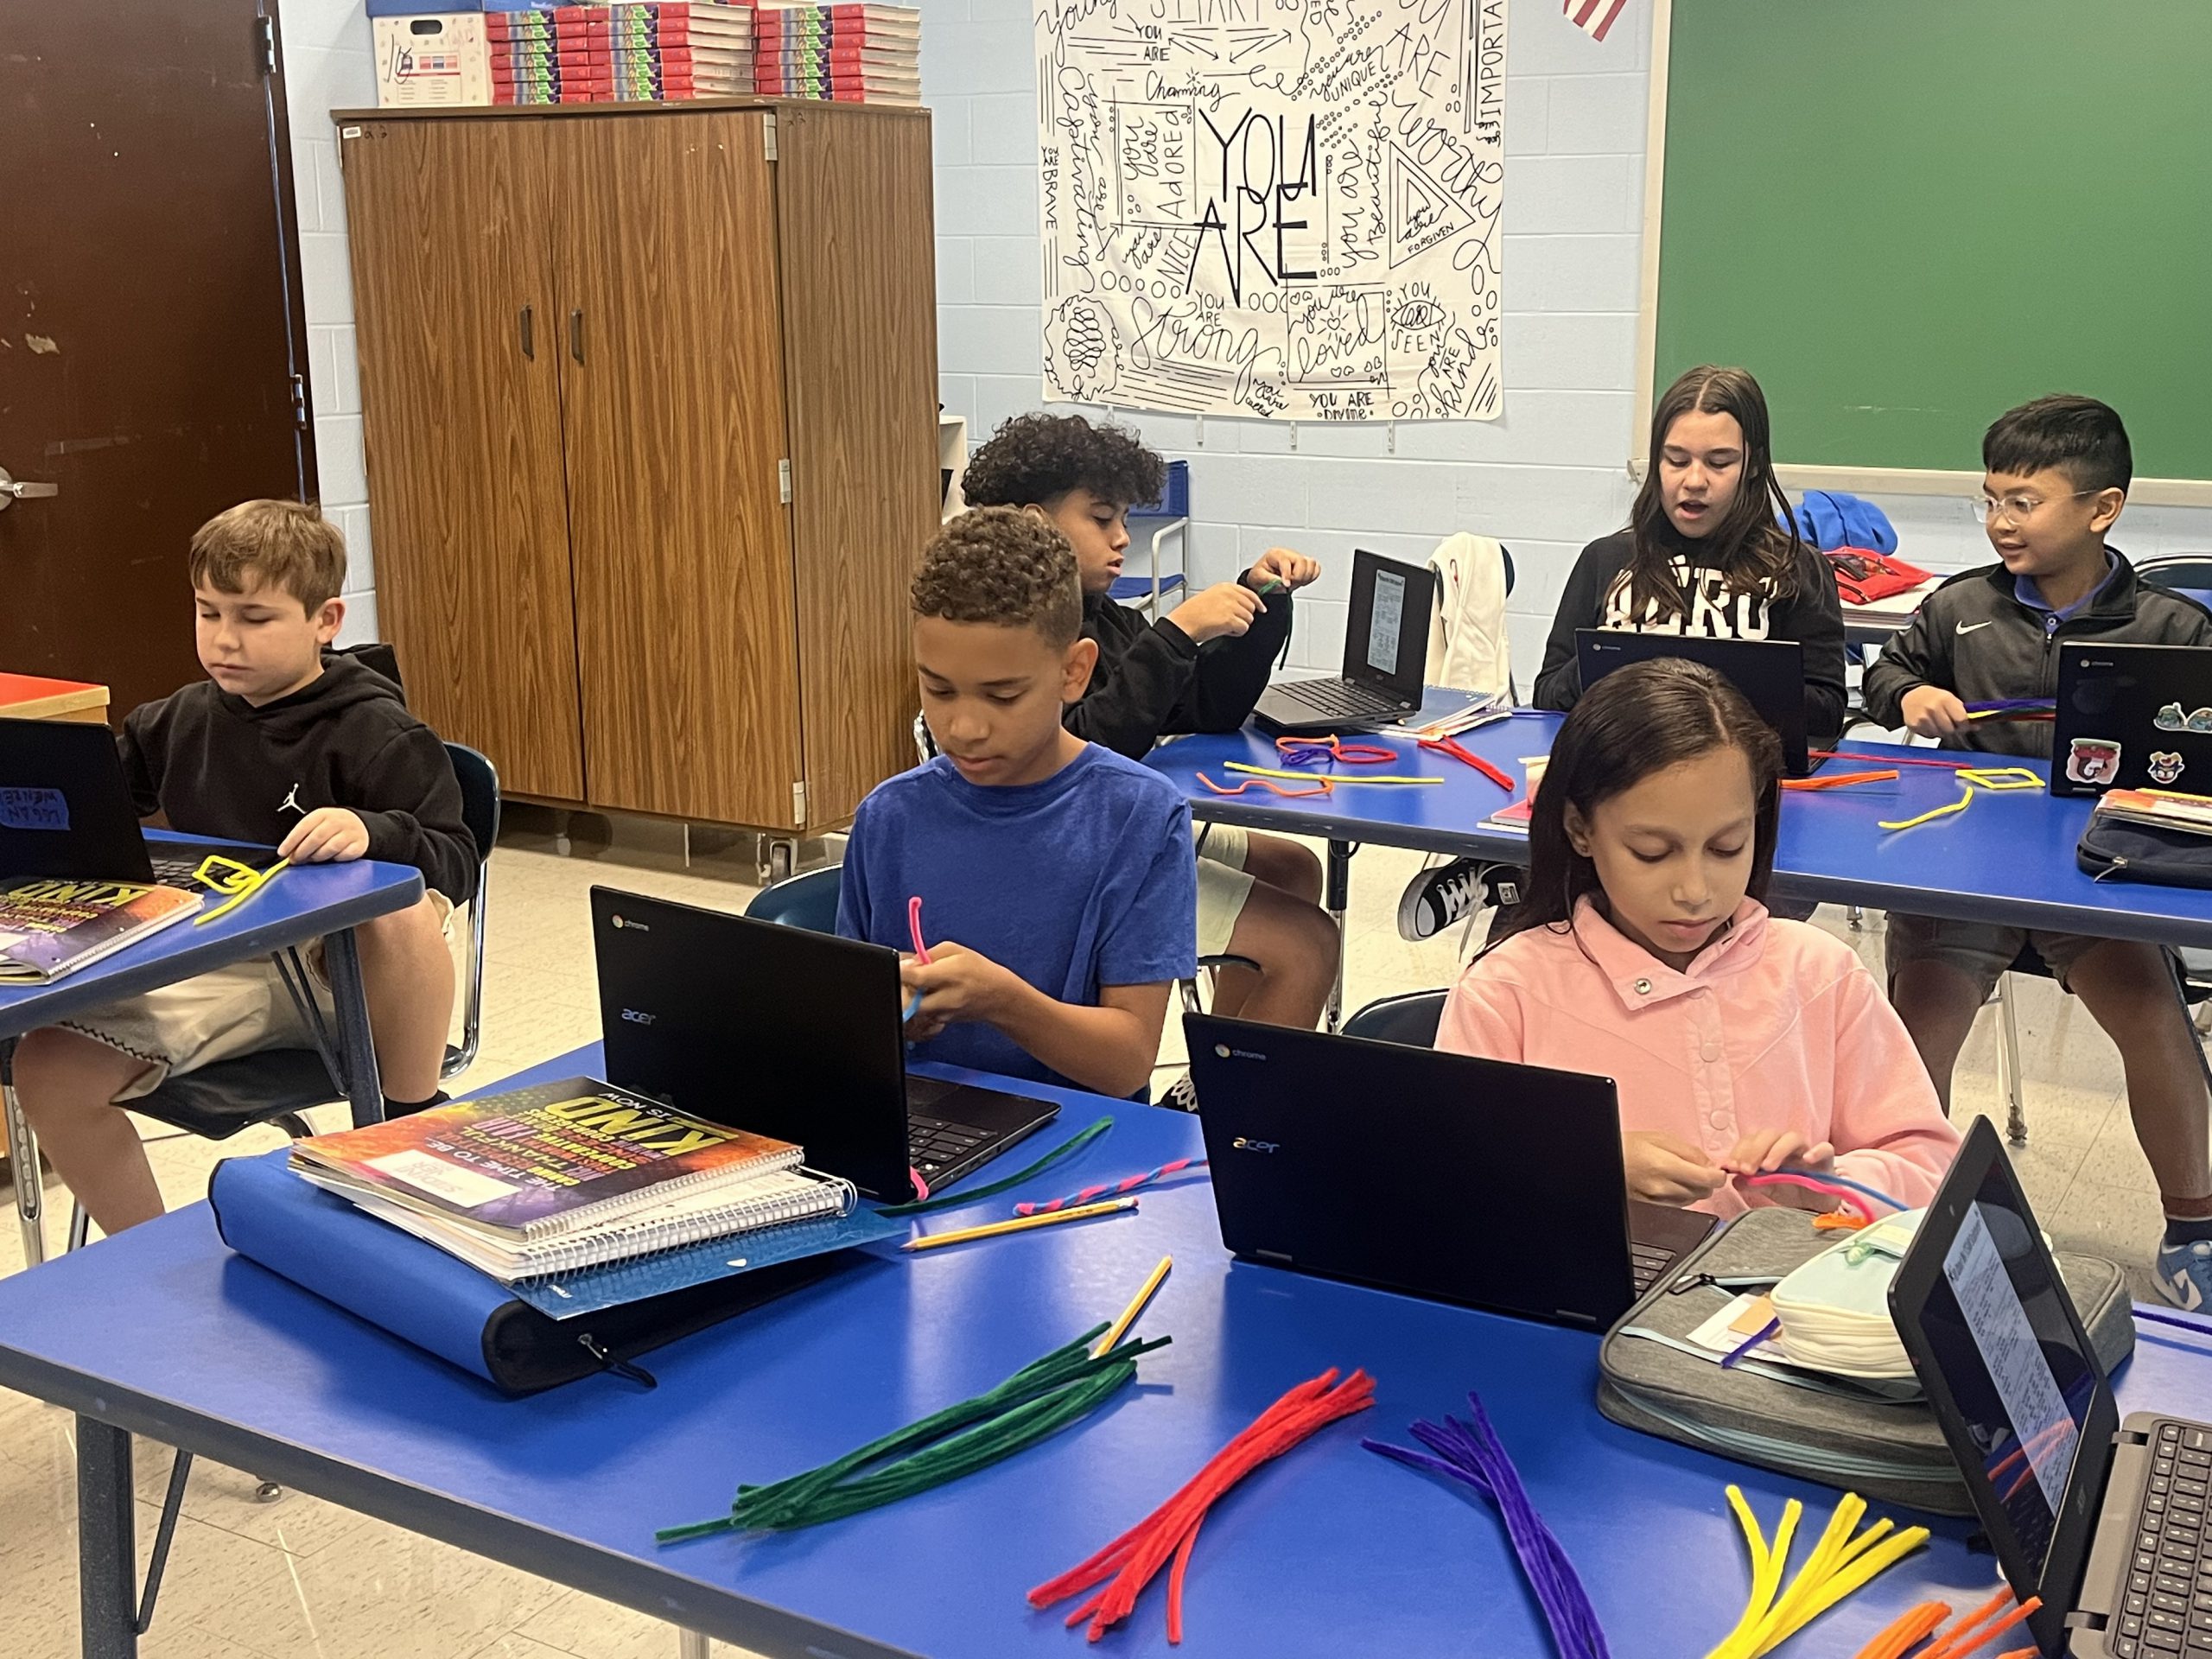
<point x="1245" y="1143"/>
<point x="638" y="1016"/>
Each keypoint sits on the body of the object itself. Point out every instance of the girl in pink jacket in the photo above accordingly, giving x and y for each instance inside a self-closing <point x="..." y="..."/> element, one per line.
<point x="1739" y="1043"/>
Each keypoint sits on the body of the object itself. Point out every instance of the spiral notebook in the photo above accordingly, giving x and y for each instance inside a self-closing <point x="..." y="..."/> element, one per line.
<point x="695" y="1217"/>
<point x="546" y="1162"/>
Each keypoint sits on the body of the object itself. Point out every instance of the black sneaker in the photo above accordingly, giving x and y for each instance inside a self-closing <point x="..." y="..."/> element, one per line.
<point x="1182" y="1095"/>
<point x="1436" y="899"/>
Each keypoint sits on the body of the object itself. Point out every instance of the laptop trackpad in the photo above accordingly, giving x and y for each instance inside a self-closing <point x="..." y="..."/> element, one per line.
<point x="979" y="1109"/>
<point x="1662" y="1227"/>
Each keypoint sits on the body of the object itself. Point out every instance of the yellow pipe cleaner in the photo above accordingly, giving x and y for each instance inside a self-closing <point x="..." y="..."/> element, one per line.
<point x="1843" y="1561"/>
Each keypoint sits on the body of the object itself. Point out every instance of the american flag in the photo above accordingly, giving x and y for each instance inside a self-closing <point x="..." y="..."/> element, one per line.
<point x="1593" y="17"/>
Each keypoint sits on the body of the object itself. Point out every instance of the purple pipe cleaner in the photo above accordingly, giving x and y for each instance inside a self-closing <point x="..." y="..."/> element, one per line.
<point x="1472" y="1455"/>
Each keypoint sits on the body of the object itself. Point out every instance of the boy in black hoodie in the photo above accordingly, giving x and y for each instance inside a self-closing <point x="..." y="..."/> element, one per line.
<point x="280" y="744"/>
<point x="1200" y="668"/>
<point x="2055" y="477"/>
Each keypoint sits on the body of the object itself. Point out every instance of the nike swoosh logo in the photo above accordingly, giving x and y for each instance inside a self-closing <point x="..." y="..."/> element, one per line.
<point x="1968" y="627"/>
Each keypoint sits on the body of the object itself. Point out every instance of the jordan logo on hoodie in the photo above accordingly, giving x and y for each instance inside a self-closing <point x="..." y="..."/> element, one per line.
<point x="291" y="802"/>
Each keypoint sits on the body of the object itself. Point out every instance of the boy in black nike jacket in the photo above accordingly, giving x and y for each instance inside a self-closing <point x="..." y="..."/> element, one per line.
<point x="2057" y="472"/>
<point x="280" y="746"/>
<point x="1200" y="668"/>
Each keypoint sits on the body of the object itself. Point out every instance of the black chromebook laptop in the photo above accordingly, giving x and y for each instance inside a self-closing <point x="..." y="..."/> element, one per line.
<point x="65" y="812"/>
<point x="1386" y="655"/>
<point x="2132" y="717"/>
<point x="2103" y="1519"/>
<point x="790" y="1033"/>
<point x="1770" y="673"/>
<point x="1435" y="1174"/>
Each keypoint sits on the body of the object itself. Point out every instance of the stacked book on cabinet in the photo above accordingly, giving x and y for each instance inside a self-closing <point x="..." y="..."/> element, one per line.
<point x="632" y="51"/>
<point x="854" y="53"/>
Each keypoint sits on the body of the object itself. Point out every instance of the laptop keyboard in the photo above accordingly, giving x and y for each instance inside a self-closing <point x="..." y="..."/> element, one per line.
<point x="1647" y="1263"/>
<point x="2168" y="1606"/>
<point x="1336" y="697"/>
<point x="933" y="1145"/>
<point x="178" y="873"/>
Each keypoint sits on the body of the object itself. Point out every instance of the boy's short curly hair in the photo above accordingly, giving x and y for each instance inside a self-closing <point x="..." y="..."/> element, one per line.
<point x="1034" y="460"/>
<point x="287" y="544"/>
<point x="1004" y="566"/>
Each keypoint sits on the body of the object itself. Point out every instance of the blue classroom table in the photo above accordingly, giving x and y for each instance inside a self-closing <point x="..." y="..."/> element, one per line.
<point x="1330" y="1550"/>
<point x="2008" y="858"/>
<point x="308" y="902"/>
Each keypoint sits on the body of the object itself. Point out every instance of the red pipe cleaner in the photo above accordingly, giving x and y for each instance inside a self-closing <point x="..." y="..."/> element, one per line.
<point x="1125" y="1566"/>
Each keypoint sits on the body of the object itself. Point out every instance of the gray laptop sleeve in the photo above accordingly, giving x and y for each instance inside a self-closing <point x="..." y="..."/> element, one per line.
<point x="1816" y="1429"/>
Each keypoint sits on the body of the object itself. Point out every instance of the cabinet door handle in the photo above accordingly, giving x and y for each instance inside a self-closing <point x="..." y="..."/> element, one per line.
<point x="576" y="333"/>
<point x="527" y="322"/>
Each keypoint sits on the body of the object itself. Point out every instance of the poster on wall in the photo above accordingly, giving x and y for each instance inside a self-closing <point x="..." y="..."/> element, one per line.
<point x="1288" y="209"/>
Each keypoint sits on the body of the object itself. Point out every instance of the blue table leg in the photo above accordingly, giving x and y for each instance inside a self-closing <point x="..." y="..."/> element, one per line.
<point x="342" y="958"/>
<point x="1336" y="898"/>
<point x="107" y="1567"/>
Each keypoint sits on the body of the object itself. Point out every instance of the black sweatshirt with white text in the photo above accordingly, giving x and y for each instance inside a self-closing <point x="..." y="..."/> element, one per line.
<point x="1596" y="597"/>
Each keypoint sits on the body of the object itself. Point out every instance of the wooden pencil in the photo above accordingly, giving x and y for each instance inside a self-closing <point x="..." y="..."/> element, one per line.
<point x="992" y="1229"/>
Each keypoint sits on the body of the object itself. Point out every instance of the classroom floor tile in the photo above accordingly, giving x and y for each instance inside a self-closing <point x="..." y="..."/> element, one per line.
<point x="299" y="1578"/>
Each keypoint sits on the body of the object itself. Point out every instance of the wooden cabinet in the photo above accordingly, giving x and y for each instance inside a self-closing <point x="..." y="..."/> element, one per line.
<point x="651" y="413"/>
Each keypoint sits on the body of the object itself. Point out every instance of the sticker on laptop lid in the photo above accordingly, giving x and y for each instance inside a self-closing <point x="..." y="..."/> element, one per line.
<point x="2166" y="766"/>
<point x="34" y="809"/>
<point x="2092" y="760"/>
<point x="2171" y="719"/>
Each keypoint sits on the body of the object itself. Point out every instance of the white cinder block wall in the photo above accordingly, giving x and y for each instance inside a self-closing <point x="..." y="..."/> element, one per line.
<point x="1547" y="478"/>
<point x="328" y="65"/>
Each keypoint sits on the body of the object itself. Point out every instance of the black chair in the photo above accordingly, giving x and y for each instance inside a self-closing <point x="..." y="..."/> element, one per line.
<point x="1410" y="1019"/>
<point x="276" y="1085"/>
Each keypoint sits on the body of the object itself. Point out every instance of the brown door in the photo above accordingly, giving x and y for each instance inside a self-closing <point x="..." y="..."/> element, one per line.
<point x="672" y="401"/>
<point x="454" y="302"/>
<point x="150" y="322"/>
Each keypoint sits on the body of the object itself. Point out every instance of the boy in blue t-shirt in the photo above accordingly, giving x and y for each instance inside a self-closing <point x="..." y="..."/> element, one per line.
<point x="1059" y="901"/>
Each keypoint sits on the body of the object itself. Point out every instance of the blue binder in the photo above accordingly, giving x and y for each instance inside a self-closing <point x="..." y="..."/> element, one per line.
<point x="520" y="1337"/>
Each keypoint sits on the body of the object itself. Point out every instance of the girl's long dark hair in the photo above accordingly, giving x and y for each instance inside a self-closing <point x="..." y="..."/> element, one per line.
<point x="1635" y="722"/>
<point x="1754" y="553"/>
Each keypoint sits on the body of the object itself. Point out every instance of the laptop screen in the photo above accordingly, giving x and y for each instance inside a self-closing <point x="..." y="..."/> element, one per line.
<point x="1386" y="636"/>
<point x="1770" y="673"/>
<point x="2008" y="1369"/>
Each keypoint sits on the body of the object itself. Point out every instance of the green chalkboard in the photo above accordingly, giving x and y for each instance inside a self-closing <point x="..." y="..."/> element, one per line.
<point x="1905" y="216"/>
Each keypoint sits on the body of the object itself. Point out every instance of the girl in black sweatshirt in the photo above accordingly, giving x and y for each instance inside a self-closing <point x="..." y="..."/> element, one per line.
<point x="1703" y="552"/>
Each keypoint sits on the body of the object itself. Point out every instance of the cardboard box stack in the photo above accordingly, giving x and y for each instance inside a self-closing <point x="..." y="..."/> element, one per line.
<point x="429" y="59"/>
<point x="857" y="53"/>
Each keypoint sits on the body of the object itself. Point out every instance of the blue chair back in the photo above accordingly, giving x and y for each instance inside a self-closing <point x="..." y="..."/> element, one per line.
<point x="479" y="798"/>
<point x="2189" y="575"/>
<point x="1410" y="1019"/>
<point x="808" y="901"/>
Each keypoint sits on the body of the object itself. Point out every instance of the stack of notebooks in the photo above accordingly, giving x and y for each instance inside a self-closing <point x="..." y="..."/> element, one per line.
<point x="629" y="51"/>
<point x="566" y="1176"/>
<point x="51" y="925"/>
<point x="855" y="53"/>
<point x="2166" y="809"/>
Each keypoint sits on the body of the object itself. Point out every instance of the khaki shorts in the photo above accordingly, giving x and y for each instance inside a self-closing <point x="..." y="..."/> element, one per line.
<point x="242" y="1009"/>
<point x="1980" y="950"/>
<point x="1224" y="884"/>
